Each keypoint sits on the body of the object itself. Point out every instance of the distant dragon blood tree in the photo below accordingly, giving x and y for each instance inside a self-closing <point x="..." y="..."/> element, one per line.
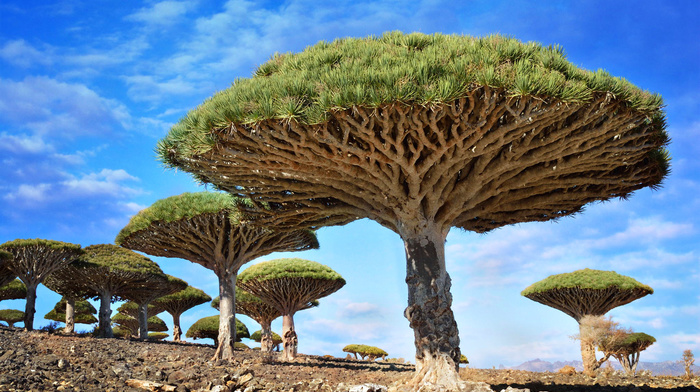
<point x="263" y="313"/>
<point x="132" y="325"/>
<point x="627" y="349"/>
<point x="110" y="271"/>
<point x="160" y="284"/>
<point x="82" y="313"/>
<point x="586" y="292"/>
<point x="71" y="290"/>
<point x="11" y="316"/>
<point x="13" y="290"/>
<point x="208" y="328"/>
<point x="178" y="303"/>
<point x="209" y="229"/>
<point x="290" y="285"/>
<point x="423" y="133"/>
<point x="32" y="261"/>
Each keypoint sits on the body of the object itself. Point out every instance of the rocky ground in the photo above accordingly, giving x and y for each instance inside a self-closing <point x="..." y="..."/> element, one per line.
<point x="39" y="361"/>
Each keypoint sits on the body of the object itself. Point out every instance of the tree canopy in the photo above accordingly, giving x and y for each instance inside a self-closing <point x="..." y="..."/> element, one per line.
<point x="131" y="324"/>
<point x="13" y="290"/>
<point x="208" y="328"/>
<point x="6" y="276"/>
<point x="11" y="316"/>
<point x="586" y="292"/>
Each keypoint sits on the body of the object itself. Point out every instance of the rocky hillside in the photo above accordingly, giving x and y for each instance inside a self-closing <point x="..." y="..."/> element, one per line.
<point x="39" y="361"/>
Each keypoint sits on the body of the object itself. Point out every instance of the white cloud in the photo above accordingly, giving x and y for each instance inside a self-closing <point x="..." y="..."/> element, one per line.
<point x="52" y="108"/>
<point x="162" y="14"/>
<point x="106" y="182"/>
<point x="22" y="54"/>
<point x="19" y="144"/>
<point x="359" y="309"/>
<point x="30" y="193"/>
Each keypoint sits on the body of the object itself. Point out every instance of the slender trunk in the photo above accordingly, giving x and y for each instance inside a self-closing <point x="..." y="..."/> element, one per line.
<point x="143" y="321"/>
<point x="267" y="343"/>
<point x="30" y="306"/>
<point x="590" y="363"/>
<point x="429" y="311"/>
<point x="289" y="337"/>
<point x="70" y="315"/>
<point x="177" y="332"/>
<point x="105" y="323"/>
<point x="227" y="319"/>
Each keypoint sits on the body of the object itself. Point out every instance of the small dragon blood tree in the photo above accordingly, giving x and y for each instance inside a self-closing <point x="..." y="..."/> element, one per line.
<point x="13" y="290"/>
<point x="586" y="292"/>
<point x="178" y="303"/>
<point x="208" y="328"/>
<point x="33" y="260"/>
<point x="263" y="313"/>
<point x="290" y="285"/>
<point x="160" y="284"/>
<point x="82" y="312"/>
<point x="209" y="229"/>
<point x="423" y="133"/>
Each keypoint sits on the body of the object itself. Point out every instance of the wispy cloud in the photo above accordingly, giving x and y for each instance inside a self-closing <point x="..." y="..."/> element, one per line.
<point x="22" y="54"/>
<point x="162" y="14"/>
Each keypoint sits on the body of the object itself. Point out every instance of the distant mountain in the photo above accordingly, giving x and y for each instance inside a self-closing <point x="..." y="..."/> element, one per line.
<point x="667" y="368"/>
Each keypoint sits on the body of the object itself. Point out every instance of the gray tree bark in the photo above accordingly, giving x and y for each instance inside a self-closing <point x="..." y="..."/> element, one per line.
<point x="289" y="337"/>
<point x="429" y="310"/>
<point x="70" y="315"/>
<point x="30" y="306"/>
<point x="105" y="322"/>
<point x="177" y="331"/>
<point x="267" y="344"/>
<point x="227" y="319"/>
<point x="143" y="321"/>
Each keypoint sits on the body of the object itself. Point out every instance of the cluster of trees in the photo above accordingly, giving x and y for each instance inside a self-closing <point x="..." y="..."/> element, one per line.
<point x="420" y="133"/>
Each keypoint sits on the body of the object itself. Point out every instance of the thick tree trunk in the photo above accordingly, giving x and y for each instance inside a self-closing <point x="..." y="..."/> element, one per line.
<point x="267" y="343"/>
<point x="30" y="306"/>
<point x="177" y="332"/>
<point x="143" y="321"/>
<point x="227" y="319"/>
<point x="105" y="321"/>
<point x="70" y="316"/>
<point x="429" y="312"/>
<point x="590" y="363"/>
<point x="289" y="337"/>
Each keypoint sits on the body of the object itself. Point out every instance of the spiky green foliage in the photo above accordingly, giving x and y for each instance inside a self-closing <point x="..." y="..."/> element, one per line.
<point x="13" y="290"/>
<point x="394" y="67"/>
<point x="257" y="336"/>
<point x="246" y="301"/>
<point x="463" y="359"/>
<point x="11" y="316"/>
<point x="208" y="328"/>
<point x="183" y="206"/>
<point x="586" y="279"/>
<point x="364" y="350"/>
<point x="50" y="244"/>
<point x="157" y="335"/>
<point x="289" y="268"/>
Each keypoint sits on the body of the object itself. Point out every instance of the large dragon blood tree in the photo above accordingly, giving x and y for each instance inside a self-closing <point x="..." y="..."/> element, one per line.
<point x="179" y="302"/>
<point x="290" y="285"/>
<point x="209" y="229"/>
<point x="110" y="271"/>
<point x="586" y="292"/>
<point x="423" y="133"/>
<point x="33" y="260"/>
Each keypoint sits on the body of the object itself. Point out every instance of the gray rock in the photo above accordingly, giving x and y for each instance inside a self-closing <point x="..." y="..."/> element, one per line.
<point x="368" y="388"/>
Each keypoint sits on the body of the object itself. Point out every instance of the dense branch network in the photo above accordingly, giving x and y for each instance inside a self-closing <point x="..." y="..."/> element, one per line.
<point x="480" y="162"/>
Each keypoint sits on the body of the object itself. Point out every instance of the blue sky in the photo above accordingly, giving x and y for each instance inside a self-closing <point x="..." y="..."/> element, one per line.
<point x="88" y="88"/>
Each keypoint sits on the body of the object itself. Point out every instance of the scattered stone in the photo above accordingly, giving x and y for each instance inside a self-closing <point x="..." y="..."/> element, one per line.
<point x="368" y="388"/>
<point x="568" y="370"/>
